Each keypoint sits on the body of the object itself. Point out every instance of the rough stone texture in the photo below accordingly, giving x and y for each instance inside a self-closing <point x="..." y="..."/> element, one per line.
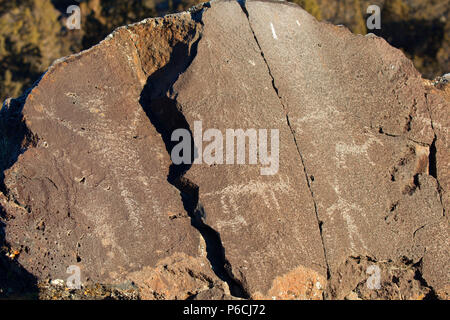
<point x="273" y="216"/>
<point x="397" y="280"/>
<point x="438" y="97"/>
<point x="91" y="190"/>
<point x="168" y="280"/>
<point x="360" y="116"/>
<point x="363" y="177"/>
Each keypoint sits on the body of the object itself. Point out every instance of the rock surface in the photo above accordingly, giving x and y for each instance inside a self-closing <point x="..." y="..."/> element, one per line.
<point x="363" y="173"/>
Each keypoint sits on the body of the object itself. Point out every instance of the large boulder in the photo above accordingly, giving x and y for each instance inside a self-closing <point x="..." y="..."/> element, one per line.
<point x="361" y="185"/>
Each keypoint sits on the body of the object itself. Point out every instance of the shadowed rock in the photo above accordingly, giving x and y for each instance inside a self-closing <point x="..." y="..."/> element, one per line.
<point x="362" y="176"/>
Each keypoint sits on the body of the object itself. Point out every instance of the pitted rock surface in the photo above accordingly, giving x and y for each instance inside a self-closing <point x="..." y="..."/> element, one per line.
<point x="362" y="181"/>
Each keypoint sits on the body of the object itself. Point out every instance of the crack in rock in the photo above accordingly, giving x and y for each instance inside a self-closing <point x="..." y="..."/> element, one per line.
<point x="160" y="104"/>
<point x="242" y="3"/>
<point x="432" y="161"/>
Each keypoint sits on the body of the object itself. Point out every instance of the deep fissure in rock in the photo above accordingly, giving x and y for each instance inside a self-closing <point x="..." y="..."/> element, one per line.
<point x="160" y="104"/>
<point x="432" y="158"/>
<point x="432" y="169"/>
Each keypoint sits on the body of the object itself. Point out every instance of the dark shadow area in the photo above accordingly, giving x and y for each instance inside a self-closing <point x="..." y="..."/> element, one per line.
<point x="15" y="281"/>
<point x="62" y="5"/>
<point x="432" y="165"/>
<point x="13" y="135"/>
<point x="160" y="104"/>
<point x="431" y="295"/>
<point x="421" y="37"/>
<point x="420" y="40"/>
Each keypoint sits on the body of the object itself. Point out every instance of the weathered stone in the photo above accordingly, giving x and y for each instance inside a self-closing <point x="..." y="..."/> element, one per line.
<point x="362" y="177"/>
<point x="179" y="277"/>
<point x="95" y="176"/>
<point x="272" y="216"/>
<point x="361" y="120"/>
<point x="356" y="278"/>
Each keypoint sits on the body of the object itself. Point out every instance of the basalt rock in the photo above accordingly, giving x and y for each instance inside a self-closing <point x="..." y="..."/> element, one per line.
<point x="362" y="182"/>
